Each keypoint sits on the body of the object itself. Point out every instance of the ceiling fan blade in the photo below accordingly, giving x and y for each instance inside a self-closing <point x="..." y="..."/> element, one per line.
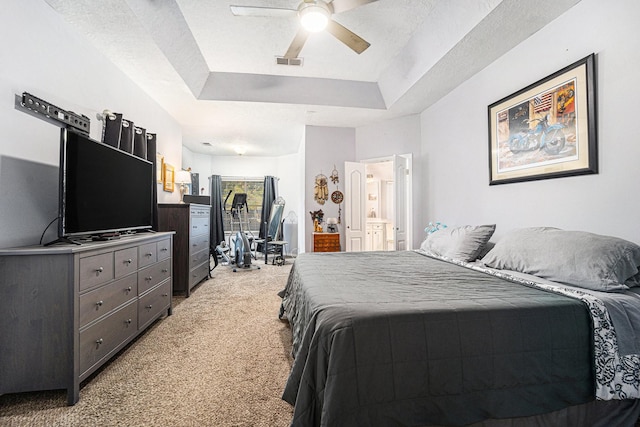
<point x="296" y="45"/>
<point x="339" y="6"/>
<point x="262" y="11"/>
<point x="354" y="41"/>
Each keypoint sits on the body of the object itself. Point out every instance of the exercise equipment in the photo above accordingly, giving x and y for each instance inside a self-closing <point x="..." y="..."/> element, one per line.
<point x="242" y="245"/>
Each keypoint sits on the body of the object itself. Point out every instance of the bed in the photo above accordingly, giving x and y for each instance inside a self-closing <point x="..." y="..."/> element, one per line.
<point x="455" y="334"/>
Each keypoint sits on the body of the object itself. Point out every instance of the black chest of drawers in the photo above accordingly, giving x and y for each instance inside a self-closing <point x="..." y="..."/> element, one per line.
<point x="190" y="221"/>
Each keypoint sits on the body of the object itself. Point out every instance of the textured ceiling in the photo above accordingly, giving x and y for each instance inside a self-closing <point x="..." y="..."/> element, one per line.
<point x="216" y="73"/>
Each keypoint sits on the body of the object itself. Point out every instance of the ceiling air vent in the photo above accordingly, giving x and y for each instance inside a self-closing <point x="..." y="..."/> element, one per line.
<point x="281" y="60"/>
<point x="208" y="144"/>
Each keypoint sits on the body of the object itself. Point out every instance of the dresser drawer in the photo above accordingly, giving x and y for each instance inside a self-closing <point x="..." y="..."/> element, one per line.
<point x="96" y="270"/>
<point x="151" y="276"/>
<point x="101" y="338"/>
<point x="147" y="254"/>
<point x="197" y="259"/>
<point x="197" y="274"/>
<point x="126" y="262"/>
<point x="199" y="226"/>
<point x="153" y="303"/>
<point x="164" y="249"/>
<point x="101" y="301"/>
<point x="328" y="242"/>
<point x="199" y="243"/>
<point x="199" y="211"/>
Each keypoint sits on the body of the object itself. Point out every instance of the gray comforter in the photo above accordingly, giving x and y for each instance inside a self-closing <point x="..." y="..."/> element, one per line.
<point x="397" y="338"/>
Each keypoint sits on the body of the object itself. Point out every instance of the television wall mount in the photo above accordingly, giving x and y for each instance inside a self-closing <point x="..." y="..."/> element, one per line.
<point x="50" y="113"/>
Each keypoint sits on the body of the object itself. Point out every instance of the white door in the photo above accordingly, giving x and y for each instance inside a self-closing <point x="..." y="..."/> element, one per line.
<point x="400" y="220"/>
<point x="354" y="207"/>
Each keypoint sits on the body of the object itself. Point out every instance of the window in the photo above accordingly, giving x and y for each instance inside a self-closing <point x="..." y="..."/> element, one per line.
<point x="249" y="220"/>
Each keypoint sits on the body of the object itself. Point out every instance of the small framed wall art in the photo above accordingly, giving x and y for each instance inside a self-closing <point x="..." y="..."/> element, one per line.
<point x="168" y="175"/>
<point x="547" y="129"/>
<point x="159" y="168"/>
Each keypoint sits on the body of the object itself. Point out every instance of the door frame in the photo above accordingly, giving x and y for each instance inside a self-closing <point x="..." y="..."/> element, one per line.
<point x="408" y="192"/>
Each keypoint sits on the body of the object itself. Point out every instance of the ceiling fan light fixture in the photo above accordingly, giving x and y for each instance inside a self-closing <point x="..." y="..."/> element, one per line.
<point x="314" y="17"/>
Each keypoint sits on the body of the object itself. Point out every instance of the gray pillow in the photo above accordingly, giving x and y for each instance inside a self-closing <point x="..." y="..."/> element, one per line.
<point x="462" y="243"/>
<point x="587" y="260"/>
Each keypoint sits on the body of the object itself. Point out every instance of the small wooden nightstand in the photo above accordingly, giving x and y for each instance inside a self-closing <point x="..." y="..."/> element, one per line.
<point x="326" y="242"/>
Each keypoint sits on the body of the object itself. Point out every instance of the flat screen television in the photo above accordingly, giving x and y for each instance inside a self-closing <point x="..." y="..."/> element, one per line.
<point x="103" y="190"/>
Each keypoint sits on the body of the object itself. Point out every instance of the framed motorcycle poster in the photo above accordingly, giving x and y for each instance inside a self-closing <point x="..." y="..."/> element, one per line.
<point x="547" y="129"/>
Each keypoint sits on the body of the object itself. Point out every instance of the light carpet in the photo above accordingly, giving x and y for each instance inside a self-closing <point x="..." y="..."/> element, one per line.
<point x="221" y="359"/>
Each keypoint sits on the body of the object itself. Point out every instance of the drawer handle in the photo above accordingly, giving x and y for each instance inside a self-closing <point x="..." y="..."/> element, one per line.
<point x="164" y="249"/>
<point x="129" y="261"/>
<point x="100" y="341"/>
<point x="148" y="279"/>
<point x="149" y="254"/>
<point x="165" y="270"/>
<point x="149" y="306"/>
<point x="128" y="321"/>
<point x="99" y="270"/>
<point x="165" y="295"/>
<point x="127" y="289"/>
<point x="99" y="303"/>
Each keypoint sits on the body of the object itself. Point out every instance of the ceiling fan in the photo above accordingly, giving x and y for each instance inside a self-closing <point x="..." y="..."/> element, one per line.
<point x="315" y="16"/>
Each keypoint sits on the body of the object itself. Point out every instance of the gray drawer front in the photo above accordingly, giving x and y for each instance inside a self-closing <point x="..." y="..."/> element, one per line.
<point x="199" y="243"/>
<point x="101" y="338"/>
<point x="164" y="249"/>
<point x="147" y="254"/>
<point x="197" y="259"/>
<point x="151" y="276"/>
<point x="198" y="273"/>
<point x="96" y="270"/>
<point x="153" y="303"/>
<point x="126" y="262"/>
<point x="200" y="211"/>
<point x="199" y="226"/>
<point x="99" y="302"/>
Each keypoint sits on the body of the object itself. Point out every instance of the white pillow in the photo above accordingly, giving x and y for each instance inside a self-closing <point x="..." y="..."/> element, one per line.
<point x="462" y="243"/>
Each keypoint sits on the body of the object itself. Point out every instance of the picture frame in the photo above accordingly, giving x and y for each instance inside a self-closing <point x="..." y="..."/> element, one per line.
<point x="546" y="130"/>
<point x="168" y="177"/>
<point x="159" y="168"/>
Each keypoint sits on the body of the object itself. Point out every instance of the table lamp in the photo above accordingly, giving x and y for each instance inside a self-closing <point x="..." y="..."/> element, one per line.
<point x="183" y="178"/>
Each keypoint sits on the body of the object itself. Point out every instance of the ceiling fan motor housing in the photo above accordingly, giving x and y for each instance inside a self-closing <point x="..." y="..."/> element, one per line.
<point x="314" y="15"/>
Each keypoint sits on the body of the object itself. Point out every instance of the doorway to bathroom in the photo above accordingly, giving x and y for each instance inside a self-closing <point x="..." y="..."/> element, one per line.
<point x="378" y="204"/>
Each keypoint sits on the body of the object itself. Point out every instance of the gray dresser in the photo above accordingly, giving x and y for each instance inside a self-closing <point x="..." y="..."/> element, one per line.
<point x="68" y="309"/>
<point x="190" y="221"/>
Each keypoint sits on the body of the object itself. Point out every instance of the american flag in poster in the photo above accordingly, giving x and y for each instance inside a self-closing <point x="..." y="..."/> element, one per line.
<point x="542" y="103"/>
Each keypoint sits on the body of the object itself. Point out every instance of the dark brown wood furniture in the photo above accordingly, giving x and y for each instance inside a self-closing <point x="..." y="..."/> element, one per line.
<point x="68" y="309"/>
<point x="190" y="222"/>
<point x="326" y="242"/>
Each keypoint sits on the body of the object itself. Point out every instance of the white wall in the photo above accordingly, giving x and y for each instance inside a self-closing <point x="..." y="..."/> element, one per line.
<point x="200" y="164"/>
<point x="43" y="56"/>
<point x="325" y="147"/>
<point x="397" y="136"/>
<point x="454" y="132"/>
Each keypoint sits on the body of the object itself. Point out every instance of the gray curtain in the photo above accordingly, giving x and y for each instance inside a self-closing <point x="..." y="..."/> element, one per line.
<point x="216" y="230"/>
<point x="269" y="195"/>
<point x="151" y="156"/>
